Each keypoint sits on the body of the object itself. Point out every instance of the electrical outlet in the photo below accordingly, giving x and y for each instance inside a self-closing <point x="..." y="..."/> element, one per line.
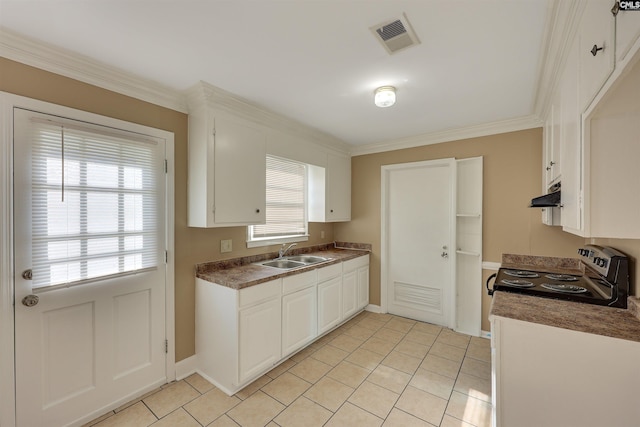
<point x="226" y="245"/>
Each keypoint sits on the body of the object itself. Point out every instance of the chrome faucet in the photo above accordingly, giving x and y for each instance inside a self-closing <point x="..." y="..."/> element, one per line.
<point x="284" y="250"/>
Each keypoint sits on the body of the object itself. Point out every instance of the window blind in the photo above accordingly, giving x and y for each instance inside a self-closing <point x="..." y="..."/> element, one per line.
<point x="286" y="214"/>
<point x="94" y="203"/>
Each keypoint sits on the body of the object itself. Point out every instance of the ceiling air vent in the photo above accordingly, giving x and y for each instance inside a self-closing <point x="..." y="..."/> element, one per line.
<point x="395" y="35"/>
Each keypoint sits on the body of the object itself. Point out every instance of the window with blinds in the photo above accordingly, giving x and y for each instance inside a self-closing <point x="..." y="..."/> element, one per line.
<point x="286" y="214"/>
<point x="94" y="203"/>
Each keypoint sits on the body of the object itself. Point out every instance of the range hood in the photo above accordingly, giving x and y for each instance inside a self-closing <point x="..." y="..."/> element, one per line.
<point x="551" y="199"/>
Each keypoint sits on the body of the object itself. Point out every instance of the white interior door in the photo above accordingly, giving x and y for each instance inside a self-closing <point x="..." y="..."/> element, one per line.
<point x="419" y="222"/>
<point x="90" y="227"/>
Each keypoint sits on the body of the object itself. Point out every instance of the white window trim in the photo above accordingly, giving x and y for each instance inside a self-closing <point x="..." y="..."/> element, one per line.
<point x="268" y="241"/>
<point x="256" y="243"/>
<point x="7" y="103"/>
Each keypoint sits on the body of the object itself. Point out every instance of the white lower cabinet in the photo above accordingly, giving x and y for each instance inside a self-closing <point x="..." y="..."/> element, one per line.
<point x="349" y="293"/>
<point x="363" y="285"/>
<point x="299" y="316"/>
<point x="259" y="334"/>
<point x="242" y="334"/>
<point x="329" y="304"/>
<point x="355" y="285"/>
<point x="548" y="376"/>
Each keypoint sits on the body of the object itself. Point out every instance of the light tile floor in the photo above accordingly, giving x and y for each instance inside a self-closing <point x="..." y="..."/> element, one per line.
<point x="376" y="370"/>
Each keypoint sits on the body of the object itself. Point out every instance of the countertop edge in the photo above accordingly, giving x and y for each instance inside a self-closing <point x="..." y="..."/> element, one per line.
<point x="235" y="277"/>
<point x="593" y="319"/>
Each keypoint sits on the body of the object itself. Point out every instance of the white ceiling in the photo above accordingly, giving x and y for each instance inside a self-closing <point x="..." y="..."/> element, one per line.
<point x="315" y="61"/>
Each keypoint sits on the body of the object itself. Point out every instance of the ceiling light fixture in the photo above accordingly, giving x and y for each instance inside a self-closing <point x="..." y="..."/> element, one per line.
<point x="385" y="96"/>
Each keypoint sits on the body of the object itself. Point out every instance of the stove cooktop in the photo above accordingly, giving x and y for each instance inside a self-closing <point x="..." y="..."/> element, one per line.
<point x="552" y="285"/>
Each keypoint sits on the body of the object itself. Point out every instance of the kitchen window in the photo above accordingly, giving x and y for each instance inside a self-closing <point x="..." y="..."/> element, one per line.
<point x="286" y="208"/>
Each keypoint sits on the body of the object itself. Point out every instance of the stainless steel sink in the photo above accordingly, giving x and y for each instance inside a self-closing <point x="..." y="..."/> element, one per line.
<point x="285" y="264"/>
<point x="307" y="259"/>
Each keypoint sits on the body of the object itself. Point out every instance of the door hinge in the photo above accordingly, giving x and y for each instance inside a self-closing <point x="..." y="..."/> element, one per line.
<point x="166" y="346"/>
<point x="166" y="166"/>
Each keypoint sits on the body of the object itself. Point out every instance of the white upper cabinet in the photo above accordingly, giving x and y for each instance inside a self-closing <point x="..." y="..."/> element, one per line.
<point x="571" y="145"/>
<point x="227" y="171"/>
<point x="229" y="139"/>
<point x="330" y="190"/>
<point x="627" y="32"/>
<point x="596" y="43"/>
<point x="338" y="188"/>
<point x="613" y="139"/>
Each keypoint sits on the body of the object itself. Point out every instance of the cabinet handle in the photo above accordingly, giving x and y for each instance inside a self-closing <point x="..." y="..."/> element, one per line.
<point x="257" y="210"/>
<point x="548" y="168"/>
<point x="331" y="210"/>
<point x="615" y="9"/>
<point x="595" y="49"/>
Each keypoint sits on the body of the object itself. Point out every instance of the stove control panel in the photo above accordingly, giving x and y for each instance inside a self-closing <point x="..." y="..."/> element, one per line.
<point x="608" y="262"/>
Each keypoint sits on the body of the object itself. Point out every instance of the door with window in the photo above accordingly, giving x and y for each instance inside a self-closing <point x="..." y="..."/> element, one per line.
<point x="90" y="210"/>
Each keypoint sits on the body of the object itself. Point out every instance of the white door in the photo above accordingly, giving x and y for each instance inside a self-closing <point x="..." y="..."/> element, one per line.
<point x="89" y="226"/>
<point x="419" y="225"/>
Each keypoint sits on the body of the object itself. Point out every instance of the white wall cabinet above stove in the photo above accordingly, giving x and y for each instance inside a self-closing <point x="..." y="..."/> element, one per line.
<point x="569" y="156"/>
<point x="596" y="45"/>
<point x="627" y="32"/>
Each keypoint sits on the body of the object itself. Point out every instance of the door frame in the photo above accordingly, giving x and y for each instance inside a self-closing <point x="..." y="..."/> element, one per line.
<point x="384" y="236"/>
<point x="7" y="327"/>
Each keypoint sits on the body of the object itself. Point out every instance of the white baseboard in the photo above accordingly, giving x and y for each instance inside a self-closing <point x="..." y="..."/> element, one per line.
<point x="373" y="308"/>
<point x="186" y="367"/>
<point x="485" y="334"/>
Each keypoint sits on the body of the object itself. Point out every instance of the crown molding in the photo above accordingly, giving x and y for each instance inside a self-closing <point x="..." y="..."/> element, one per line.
<point x="63" y="62"/>
<point x="494" y="128"/>
<point x="563" y="18"/>
<point x="206" y="96"/>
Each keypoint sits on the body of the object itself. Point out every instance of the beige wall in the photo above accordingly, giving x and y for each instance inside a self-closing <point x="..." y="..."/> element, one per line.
<point x="192" y="245"/>
<point x="512" y="176"/>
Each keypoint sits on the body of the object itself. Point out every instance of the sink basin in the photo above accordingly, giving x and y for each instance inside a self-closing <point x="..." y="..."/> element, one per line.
<point x="307" y="259"/>
<point x="284" y="264"/>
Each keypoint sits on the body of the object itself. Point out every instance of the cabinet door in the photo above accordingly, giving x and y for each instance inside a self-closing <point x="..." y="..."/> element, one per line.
<point x="552" y="166"/>
<point x="627" y="32"/>
<point x="349" y="293"/>
<point x="571" y="147"/>
<point x="329" y="304"/>
<point x="363" y="286"/>
<point x="259" y="341"/>
<point x="298" y="319"/>
<point x="240" y="173"/>
<point x="597" y="28"/>
<point x="338" y="191"/>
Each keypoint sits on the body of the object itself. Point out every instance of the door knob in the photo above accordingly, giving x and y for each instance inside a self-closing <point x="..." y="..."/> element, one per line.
<point x="30" y="300"/>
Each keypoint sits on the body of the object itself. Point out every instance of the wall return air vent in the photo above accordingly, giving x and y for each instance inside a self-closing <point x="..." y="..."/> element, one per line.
<point x="395" y="35"/>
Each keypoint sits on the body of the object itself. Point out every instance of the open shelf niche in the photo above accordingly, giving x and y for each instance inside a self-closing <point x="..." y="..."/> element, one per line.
<point x="469" y="245"/>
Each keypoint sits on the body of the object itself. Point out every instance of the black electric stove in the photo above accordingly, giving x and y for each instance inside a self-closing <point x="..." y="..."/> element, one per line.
<point x="605" y="280"/>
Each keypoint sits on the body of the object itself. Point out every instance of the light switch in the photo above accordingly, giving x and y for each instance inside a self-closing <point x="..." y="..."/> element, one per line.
<point x="226" y="245"/>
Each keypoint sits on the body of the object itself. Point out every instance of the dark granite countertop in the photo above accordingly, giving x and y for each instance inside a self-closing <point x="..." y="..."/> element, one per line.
<point x="593" y="319"/>
<point x="243" y="272"/>
<point x="575" y="316"/>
